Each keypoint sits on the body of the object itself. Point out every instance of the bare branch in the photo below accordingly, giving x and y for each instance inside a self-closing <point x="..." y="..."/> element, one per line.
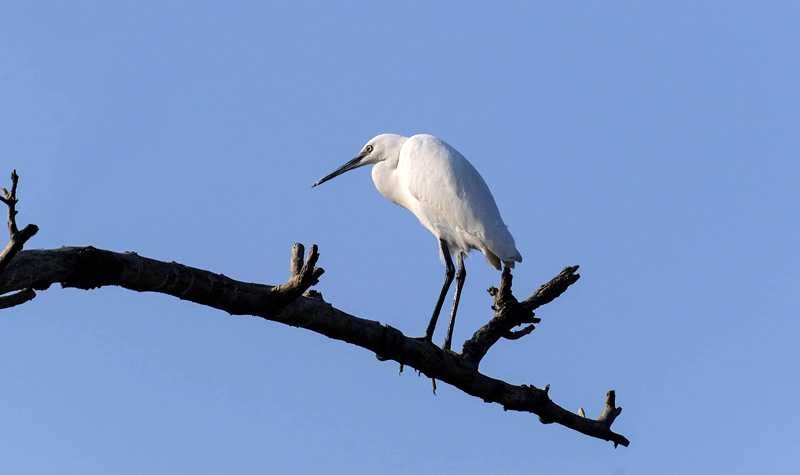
<point x="553" y="289"/>
<point x="17" y="298"/>
<point x="509" y="313"/>
<point x="89" y="268"/>
<point x="17" y="238"/>
<point x="292" y="303"/>
<point x="516" y="335"/>
<point x="10" y="200"/>
<point x="302" y="275"/>
<point x="600" y="428"/>
<point x="296" y="259"/>
<point x="610" y="409"/>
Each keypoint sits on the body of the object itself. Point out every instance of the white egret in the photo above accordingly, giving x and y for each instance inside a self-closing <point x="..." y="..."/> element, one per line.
<point x="434" y="181"/>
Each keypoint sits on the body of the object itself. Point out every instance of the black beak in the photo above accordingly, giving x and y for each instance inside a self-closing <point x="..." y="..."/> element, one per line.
<point x="354" y="163"/>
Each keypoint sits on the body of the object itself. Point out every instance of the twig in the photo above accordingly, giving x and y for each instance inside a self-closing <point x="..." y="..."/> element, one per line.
<point x="17" y="298"/>
<point x="553" y="289"/>
<point x="516" y="335"/>
<point x="16" y="241"/>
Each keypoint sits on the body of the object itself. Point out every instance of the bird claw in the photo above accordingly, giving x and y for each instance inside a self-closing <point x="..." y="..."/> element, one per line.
<point x="427" y="340"/>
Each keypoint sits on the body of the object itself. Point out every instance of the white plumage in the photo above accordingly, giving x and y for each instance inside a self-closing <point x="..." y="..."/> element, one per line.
<point x="451" y="199"/>
<point x="430" y="178"/>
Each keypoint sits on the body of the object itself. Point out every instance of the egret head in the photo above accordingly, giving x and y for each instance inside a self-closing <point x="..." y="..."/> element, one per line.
<point x="377" y="149"/>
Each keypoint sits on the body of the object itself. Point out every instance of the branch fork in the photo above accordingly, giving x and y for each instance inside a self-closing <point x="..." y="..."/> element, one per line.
<point x="16" y="242"/>
<point x="510" y="313"/>
<point x="303" y="274"/>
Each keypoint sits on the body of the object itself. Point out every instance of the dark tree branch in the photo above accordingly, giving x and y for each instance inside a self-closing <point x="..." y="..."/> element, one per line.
<point x="516" y="335"/>
<point x="553" y="289"/>
<point x="610" y="409"/>
<point x="16" y="241"/>
<point x="17" y="238"/>
<point x="17" y="298"/>
<point x="509" y="313"/>
<point x="90" y="268"/>
<point x="10" y="200"/>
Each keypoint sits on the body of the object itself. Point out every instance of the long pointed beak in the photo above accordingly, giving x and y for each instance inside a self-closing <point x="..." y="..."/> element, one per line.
<point x="354" y="163"/>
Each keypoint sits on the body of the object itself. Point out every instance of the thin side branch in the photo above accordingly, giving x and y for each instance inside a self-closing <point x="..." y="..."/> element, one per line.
<point x="10" y="200"/>
<point x="16" y="241"/>
<point x="509" y="313"/>
<point x="610" y="409"/>
<point x="302" y="275"/>
<point x="17" y="298"/>
<point x="516" y="335"/>
<point x="553" y="289"/>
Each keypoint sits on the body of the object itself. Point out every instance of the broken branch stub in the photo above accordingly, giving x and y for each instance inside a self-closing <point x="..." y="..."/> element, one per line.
<point x="16" y="241"/>
<point x="303" y="273"/>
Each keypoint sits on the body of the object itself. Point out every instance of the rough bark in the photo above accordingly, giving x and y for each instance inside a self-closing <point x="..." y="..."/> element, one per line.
<point x="89" y="268"/>
<point x="290" y="303"/>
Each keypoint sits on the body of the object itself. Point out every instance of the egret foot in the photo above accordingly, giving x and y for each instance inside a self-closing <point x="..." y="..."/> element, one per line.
<point x="424" y="339"/>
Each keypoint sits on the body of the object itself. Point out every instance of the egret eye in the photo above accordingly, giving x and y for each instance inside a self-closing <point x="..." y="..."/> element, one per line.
<point x="368" y="149"/>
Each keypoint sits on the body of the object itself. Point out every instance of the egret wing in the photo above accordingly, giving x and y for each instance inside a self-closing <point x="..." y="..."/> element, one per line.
<point x="453" y="200"/>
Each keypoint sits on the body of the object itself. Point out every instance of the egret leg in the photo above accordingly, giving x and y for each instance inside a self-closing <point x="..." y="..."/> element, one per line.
<point x="448" y="279"/>
<point x="461" y="276"/>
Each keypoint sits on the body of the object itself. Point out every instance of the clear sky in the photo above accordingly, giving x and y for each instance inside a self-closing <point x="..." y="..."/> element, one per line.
<point x="653" y="143"/>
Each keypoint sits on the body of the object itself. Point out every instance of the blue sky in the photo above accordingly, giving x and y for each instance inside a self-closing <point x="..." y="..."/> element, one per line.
<point x="652" y="143"/>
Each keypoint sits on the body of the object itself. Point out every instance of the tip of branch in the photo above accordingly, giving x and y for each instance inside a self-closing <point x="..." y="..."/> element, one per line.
<point x="517" y="334"/>
<point x="17" y="298"/>
<point x="610" y="409"/>
<point x="611" y="398"/>
<point x="313" y="256"/>
<point x="552" y="289"/>
<point x="318" y="271"/>
<point x="28" y="232"/>
<point x="296" y="259"/>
